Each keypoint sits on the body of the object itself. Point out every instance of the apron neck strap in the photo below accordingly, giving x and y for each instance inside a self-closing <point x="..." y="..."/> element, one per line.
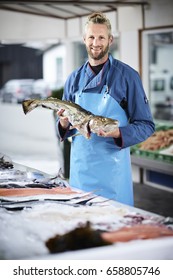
<point x="83" y="73"/>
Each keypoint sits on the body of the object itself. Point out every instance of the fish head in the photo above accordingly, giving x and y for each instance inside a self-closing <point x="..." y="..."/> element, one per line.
<point x="106" y="124"/>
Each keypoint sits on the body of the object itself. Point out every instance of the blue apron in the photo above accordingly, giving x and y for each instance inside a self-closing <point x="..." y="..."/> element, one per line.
<point x="98" y="163"/>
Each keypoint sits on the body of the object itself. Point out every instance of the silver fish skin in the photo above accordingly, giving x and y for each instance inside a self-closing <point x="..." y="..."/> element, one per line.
<point x="84" y="121"/>
<point x="106" y="124"/>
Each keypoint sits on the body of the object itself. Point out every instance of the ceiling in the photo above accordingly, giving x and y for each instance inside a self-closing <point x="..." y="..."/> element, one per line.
<point x="60" y="9"/>
<point x="66" y="9"/>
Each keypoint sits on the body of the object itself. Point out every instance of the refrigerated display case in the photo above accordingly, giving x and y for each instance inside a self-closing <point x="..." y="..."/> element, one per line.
<point x="157" y="71"/>
<point x="156" y="166"/>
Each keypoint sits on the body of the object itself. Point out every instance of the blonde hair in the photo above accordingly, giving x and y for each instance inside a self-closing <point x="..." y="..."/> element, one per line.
<point x="99" y="18"/>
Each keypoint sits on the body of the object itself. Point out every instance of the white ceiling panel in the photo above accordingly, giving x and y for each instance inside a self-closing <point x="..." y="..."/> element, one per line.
<point x="65" y="9"/>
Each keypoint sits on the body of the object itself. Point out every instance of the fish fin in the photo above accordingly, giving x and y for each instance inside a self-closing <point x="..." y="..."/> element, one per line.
<point x="26" y="104"/>
<point x="75" y="127"/>
<point x="87" y="136"/>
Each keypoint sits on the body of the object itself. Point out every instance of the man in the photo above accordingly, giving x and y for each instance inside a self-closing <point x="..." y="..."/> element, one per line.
<point x="107" y="87"/>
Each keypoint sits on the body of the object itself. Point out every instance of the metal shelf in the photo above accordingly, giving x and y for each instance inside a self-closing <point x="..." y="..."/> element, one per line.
<point x="153" y="165"/>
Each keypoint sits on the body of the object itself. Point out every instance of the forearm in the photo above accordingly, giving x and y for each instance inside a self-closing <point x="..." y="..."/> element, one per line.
<point x="136" y="132"/>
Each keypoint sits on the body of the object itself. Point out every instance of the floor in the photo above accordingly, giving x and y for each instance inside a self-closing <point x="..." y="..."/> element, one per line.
<point x="153" y="199"/>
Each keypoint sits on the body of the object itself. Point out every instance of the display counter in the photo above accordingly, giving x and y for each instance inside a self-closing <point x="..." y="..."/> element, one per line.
<point x="35" y="208"/>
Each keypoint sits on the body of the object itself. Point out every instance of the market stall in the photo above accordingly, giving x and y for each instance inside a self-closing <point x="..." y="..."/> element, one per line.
<point x="44" y="218"/>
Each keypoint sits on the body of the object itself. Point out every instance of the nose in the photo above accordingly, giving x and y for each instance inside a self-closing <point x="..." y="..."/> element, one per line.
<point x="95" y="42"/>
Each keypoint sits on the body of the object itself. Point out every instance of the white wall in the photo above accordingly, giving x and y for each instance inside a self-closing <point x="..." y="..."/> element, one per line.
<point x="129" y="51"/>
<point x="159" y="13"/>
<point x="49" y="63"/>
<point x="129" y="22"/>
<point x="64" y="51"/>
<point x="22" y="27"/>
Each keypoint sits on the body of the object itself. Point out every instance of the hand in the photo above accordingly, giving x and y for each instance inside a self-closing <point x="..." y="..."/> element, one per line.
<point x="64" y="122"/>
<point x="115" y="133"/>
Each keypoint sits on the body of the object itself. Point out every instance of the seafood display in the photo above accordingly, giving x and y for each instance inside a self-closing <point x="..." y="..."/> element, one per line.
<point x="137" y="232"/>
<point x="89" y="238"/>
<point x="86" y="238"/>
<point x="159" y="146"/>
<point x="54" y="216"/>
<point x="17" y="182"/>
<point x="84" y="121"/>
<point x="48" y="223"/>
<point x="34" y="191"/>
<point x="5" y="162"/>
<point x="159" y="140"/>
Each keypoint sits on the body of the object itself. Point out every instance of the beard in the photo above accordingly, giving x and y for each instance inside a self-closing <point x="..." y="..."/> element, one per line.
<point x="99" y="55"/>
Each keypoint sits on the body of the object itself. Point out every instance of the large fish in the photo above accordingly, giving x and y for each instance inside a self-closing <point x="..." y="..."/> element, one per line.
<point x="84" y="121"/>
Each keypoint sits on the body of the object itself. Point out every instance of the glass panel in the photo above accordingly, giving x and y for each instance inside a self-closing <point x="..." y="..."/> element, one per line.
<point x="161" y="74"/>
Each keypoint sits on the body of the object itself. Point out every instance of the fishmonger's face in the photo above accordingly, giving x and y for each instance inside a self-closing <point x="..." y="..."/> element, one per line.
<point x="97" y="41"/>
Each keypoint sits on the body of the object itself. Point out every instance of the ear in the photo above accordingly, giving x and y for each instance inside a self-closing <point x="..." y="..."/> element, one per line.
<point x="111" y="40"/>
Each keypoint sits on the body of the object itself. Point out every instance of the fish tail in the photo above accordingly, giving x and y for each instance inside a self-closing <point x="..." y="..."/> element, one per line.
<point x="28" y="105"/>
